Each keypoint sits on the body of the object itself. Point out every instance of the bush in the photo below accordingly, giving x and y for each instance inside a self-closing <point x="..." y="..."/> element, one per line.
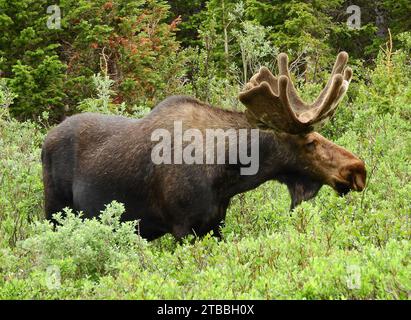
<point x="75" y="249"/>
<point x="84" y="248"/>
<point x="21" y="190"/>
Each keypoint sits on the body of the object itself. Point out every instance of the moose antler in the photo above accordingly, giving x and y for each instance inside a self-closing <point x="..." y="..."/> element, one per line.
<point x="274" y="103"/>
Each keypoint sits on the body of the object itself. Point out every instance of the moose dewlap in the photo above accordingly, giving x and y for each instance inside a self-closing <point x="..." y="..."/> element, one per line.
<point x="90" y="160"/>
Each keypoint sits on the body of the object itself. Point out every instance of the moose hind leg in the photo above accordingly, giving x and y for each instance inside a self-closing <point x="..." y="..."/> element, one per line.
<point x="55" y="198"/>
<point x="57" y="186"/>
<point x="54" y="201"/>
<point x="180" y="231"/>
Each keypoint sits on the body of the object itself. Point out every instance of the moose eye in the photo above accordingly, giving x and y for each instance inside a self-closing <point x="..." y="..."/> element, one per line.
<point x="311" y="145"/>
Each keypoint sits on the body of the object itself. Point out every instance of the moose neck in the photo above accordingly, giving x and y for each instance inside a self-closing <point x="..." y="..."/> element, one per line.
<point x="275" y="161"/>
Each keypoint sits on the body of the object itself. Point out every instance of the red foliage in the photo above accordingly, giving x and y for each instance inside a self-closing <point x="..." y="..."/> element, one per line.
<point x="108" y="5"/>
<point x="175" y="23"/>
<point x="118" y="99"/>
<point x="144" y="40"/>
<point x="137" y="48"/>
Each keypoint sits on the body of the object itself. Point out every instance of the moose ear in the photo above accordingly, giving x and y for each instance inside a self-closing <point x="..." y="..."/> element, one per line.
<point x="301" y="188"/>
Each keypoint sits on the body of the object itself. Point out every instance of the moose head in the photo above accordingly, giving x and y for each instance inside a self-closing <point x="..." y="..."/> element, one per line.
<point x="272" y="103"/>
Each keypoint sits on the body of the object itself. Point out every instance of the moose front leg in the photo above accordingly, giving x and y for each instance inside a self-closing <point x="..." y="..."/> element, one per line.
<point x="217" y="231"/>
<point x="180" y="231"/>
<point x="220" y="221"/>
<point x="222" y="211"/>
<point x="204" y="219"/>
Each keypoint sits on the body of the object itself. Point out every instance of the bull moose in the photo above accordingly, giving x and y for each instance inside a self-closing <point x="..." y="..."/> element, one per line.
<point x="91" y="159"/>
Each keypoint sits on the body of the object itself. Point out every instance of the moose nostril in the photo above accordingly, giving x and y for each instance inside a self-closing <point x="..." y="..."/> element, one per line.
<point x="357" y="177"/>
<point x="358" y="181"/>
<point x="355" y="174"/>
